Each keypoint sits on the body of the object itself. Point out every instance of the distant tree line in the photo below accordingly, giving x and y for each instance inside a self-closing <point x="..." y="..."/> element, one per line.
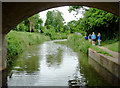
<point x="94" y="20"/>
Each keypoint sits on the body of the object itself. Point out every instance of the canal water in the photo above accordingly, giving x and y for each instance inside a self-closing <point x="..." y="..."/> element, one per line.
<point x="52" y="64"/>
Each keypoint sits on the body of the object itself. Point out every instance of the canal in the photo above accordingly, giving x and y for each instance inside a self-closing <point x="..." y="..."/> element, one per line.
<point x="53" y="64"/>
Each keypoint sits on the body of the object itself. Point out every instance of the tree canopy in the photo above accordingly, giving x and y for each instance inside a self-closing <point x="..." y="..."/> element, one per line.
<point x="32" y="24"/>
<point x="98" y="21"/>
<point x="55" y="19"/>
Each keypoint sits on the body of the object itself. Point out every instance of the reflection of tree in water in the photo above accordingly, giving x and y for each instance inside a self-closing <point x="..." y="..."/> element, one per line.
<point x="54" y="59"/>
<point x="29" y="64"/>
<point x="28" y="61"/>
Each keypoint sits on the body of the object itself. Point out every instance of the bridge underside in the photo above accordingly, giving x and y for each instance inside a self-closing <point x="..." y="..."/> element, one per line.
<point x="15" y="12"/>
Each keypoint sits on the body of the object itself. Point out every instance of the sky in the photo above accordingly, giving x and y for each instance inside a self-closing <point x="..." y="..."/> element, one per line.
<point x="65" y="13"/>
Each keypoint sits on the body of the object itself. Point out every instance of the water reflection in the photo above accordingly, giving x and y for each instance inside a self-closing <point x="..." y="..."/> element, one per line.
<point x="52" y="64"/>
<point x="92" y="78"/>
<point x="28" y="62"/>
<point x="55" y="59"/>
<point x="48" y="64"/>
<point x="86" y="75"/>
<point x="104" y="73"/>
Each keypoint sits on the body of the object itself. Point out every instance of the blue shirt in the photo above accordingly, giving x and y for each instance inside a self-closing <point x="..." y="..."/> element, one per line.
<point x="93" y="36"/>
<point x="99" y="37"/>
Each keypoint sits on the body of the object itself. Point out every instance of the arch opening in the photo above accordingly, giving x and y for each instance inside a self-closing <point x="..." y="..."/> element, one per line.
<point x="35" y="10"/>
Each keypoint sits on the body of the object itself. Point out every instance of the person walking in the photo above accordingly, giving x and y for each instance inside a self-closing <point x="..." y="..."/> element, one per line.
<point x="93" y="37"/>
<point x="99" y="38"/>
<point x="89" y="37"/>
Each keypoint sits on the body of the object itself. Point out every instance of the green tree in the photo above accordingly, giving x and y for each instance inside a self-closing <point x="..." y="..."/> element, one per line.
<point x="77" y="9"/>
<point x="72" y="26"/>
<point x="32" y="24"/>
<point x="55" y="19"/>
<point x="98" y="21"/>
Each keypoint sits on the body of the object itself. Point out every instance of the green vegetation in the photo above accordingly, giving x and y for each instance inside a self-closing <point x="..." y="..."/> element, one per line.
<point x="54" y="25"/>
<point x="113" y="46"/>
<point x="98" y="21"/>
<point x="78" y="43"/>
<point x="93" y="20"/>
<point x="55" y="19"/>
<point x="17" y="42"/>
<point x="98" y="50"/>
<point x="50" y="31"/>
<point x="32" y="24"/>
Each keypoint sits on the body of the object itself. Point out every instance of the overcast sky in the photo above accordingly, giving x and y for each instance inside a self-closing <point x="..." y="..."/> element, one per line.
<point x="65" y="13"/>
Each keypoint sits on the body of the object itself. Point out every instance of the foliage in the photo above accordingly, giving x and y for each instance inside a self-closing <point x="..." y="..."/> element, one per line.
<point x="71" y="26"/>
<point x="77" y="8"/>
<point x="50" y="31"/>
<point x="98" y="21"/>
<point x="54" y="35"/>
<point x="98" y="50"/>
<point x="55" y="19"/>
<point x="18" y="41"/>
<point x="59" y="36"/>
<point x="78" y="42"/>
<point x="112" y="46"/>
<point x="32" y="24"/>
<point x="94" y="20"/>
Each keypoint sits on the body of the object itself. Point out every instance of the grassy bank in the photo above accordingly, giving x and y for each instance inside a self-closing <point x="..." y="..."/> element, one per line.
<point x="112" y="46"/>
<point x="17" y="42"/>
<point x="100" y="50"/>
<point x="78" y="43"/>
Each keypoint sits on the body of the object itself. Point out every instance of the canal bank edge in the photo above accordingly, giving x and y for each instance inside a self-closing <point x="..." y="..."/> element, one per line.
<point x="109" y="63"/>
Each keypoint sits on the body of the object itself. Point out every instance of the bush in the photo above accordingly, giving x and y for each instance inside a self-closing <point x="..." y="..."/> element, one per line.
<point x="58" y="36"/>
<point x="54" y="35"/>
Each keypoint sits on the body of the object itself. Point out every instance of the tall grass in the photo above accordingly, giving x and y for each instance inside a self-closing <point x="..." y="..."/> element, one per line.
<point x="79" y="43"/>
<point x="18" y="41"/>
